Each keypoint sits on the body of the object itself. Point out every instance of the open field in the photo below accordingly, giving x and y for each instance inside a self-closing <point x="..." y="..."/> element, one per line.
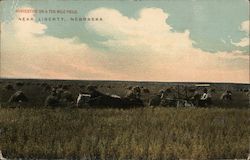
<point x="147" y="133"/>
<point x="30" y="130"/>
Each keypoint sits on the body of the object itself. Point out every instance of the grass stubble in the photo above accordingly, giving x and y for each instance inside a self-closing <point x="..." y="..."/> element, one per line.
<point x="142" y="133"/>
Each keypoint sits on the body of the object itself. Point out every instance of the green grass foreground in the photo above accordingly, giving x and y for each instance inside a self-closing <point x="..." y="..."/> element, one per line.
<point x="144" y="133"/>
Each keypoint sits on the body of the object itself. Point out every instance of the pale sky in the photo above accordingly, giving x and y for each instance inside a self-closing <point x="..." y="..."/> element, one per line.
<point x="192" y="40"/>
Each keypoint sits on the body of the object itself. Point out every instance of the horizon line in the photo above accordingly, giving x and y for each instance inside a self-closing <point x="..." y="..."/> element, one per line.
<point x="140" y="81"/>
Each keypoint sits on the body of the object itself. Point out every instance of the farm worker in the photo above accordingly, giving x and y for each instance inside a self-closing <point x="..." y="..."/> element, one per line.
<point x="204" y="95"/>
<point x="206" y="98"/>
<point x="134" y="93"/>
<point x="227" y="95"/>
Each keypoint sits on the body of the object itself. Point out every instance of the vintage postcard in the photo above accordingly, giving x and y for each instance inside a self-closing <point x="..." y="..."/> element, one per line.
<point x="124" y="79"/>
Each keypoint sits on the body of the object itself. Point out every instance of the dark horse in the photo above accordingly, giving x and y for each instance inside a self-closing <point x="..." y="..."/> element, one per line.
<point x="116" y="102"/>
